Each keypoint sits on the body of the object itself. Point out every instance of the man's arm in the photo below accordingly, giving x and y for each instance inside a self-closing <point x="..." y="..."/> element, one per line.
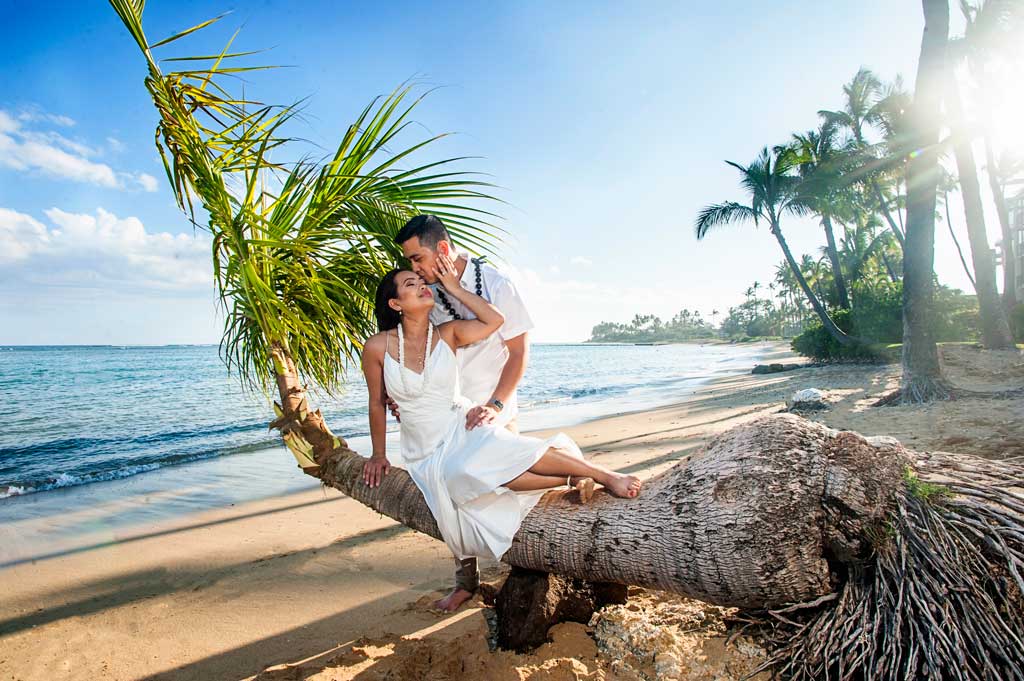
<point x="511" y="374"/>
<point x="515" y="367"/>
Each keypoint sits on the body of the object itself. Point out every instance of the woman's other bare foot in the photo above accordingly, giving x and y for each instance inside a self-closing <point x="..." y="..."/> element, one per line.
<point x="623" y="486"/>
<point x="585" y="486"/>
<point x="454" y="600"/>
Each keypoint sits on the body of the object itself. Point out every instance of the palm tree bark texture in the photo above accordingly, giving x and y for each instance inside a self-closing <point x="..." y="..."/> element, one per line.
<point x="922" y="376"/>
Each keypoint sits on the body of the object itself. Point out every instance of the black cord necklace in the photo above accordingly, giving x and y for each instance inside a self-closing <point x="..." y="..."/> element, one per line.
<point x="479" y="289"/>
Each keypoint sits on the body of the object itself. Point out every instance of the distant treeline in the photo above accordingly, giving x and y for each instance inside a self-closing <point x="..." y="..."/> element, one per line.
<point x="684" y="326"/>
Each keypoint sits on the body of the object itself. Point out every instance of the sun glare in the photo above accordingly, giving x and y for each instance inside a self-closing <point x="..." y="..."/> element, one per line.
<point x="1008" y="111"/>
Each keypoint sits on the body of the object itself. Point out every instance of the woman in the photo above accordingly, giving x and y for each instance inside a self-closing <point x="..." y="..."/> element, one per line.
<point x="478" y="483"/>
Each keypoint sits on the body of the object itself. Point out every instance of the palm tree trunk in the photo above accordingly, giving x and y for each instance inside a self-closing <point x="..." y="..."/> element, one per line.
<point x="888" y="265"/>
<point x="883" y="206"/>
<point x="995" y="329"/>
<point x="1009" y="248"/>
<point x="695" y="528"/>
<point x="841" y="337"/>
<point x="956" y="241"/>
<point x="833" y="255"/>
<point x="922" y="376"/>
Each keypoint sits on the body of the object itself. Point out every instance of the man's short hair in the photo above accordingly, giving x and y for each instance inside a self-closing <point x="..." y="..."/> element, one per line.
<point x="427" y="228"/>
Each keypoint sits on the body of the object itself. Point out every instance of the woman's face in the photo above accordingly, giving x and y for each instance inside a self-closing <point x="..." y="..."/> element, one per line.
<point x="412" y="293"/>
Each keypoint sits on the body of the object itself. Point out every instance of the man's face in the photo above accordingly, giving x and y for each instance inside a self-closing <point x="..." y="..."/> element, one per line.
<point x="423" y="258"/>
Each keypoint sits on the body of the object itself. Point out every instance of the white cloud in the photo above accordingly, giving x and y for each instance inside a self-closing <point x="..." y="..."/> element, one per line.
<point x="53" y="154"/>
<point x="580" y="260"/>
<point x="31" y="155"/>
<point x="7" y="124"/>
<point x="115" y="144"/>
<point x="34" y="115"/>
<point x="20" y="236"/>
<point x="147" y="182"/>
<point x="100" y="251"/>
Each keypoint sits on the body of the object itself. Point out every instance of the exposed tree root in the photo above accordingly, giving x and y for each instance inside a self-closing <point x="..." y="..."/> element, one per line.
<point x="948" y="392"/>
<point x="919" y="391"/>
<point x="942" y="596"/>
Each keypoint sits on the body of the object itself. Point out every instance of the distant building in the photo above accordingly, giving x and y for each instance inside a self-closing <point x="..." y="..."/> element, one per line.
<point x="1016" y="209"/>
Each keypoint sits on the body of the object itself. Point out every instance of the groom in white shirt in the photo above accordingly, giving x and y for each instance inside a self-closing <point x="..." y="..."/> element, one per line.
<point x="489" y="370"/>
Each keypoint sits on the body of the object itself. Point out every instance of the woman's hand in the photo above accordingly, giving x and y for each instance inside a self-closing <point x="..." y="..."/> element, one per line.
<point x="446" y="272"/>
<point x="480" y="416"/>
<point x="374" y="470"/>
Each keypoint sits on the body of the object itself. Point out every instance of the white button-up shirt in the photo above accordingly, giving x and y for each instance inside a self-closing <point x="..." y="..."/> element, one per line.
<point x="481" y="364"/>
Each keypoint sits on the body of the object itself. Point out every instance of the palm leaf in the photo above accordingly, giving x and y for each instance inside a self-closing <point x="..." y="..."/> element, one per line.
<point x="298" y="247"/>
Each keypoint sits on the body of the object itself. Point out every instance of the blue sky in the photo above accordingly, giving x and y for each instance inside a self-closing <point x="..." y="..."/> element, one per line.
<point x="606" y="125"/>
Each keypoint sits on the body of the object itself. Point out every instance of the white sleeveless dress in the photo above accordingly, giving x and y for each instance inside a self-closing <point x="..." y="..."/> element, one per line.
<point x="459" y="471"/>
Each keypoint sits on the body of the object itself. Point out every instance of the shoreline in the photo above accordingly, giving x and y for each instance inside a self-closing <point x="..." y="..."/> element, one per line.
<point x="313" y="585"/>
<point x="534" y="416"/>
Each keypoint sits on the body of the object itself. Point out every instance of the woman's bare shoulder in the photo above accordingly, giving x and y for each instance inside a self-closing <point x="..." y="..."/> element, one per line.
<point x="375" y="345"/>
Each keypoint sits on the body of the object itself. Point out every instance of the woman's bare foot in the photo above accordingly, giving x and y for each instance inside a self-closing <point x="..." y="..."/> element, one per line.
<point x="623" y="486"/>
<point x="454" y="600"/>
<point x="585" y="486"/>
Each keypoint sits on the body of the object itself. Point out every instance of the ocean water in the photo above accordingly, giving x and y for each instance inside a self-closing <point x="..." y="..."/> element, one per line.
<point x="105" y="445"/>
<point x="80" y="415"/>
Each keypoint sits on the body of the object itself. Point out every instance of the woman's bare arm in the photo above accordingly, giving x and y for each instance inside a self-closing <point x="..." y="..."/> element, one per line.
<point x="373" y="370"/>
<point x="467" y="331"/>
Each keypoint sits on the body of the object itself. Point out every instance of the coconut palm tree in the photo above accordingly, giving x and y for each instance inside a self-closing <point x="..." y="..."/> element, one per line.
<point x="820" y="160"/>
<point x="863" y="107"/>
<point x="995" y="329"/>
<point x="772" y="193"/>
<point x="298" y="246"/>
<point x="922" y="376"/>
<point x="860" y="246"/>
<point x="992" y="31"/>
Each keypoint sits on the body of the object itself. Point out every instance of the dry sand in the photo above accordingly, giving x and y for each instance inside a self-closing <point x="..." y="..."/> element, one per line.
<point x="315" y="586"/>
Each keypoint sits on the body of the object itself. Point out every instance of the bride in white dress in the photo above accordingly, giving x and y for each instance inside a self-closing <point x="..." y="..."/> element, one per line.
<point x="479" y="483"/>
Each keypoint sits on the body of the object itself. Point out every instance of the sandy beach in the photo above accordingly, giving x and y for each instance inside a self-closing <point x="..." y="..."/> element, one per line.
<point x="315" y="586"/>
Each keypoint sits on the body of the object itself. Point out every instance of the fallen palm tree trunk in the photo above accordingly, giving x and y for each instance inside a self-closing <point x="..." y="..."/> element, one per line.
<point x="751" y="522"/>
<point x="903" y="564"/>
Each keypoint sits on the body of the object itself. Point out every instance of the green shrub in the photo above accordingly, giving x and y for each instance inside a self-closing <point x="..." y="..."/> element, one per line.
<point x="1017" y="322"/>
<point x="956" y="316"/>
<point x="759" y="326"/>
<point x="878" y="313"/>
<point x="815" y="342"/>
<point x="877" y="318"/>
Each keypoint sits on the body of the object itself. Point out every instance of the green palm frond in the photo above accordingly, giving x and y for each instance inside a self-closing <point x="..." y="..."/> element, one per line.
<point x="298" y="246"/>
<point x="721" y="214"/>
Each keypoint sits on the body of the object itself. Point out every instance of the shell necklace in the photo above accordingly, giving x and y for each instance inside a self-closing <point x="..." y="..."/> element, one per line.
<point x="426" y="362"/>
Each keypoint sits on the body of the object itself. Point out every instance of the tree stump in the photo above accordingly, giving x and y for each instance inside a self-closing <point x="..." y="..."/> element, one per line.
<point x="531" y="602"/>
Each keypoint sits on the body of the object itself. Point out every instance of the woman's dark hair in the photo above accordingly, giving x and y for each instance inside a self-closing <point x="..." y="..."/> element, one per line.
<point x="387" y="317"/>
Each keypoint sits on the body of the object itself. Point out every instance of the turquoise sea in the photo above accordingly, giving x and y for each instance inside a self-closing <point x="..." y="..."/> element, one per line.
<point x="157" y="432"/>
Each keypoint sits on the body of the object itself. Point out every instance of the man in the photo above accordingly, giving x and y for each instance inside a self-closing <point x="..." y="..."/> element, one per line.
<point x="489" y="370"/>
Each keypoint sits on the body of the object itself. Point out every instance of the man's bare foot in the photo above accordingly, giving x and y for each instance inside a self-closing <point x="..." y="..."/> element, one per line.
<point x="585" y="486"/>
<point x="454" y="600"/>
<point x="623" y="486"/>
